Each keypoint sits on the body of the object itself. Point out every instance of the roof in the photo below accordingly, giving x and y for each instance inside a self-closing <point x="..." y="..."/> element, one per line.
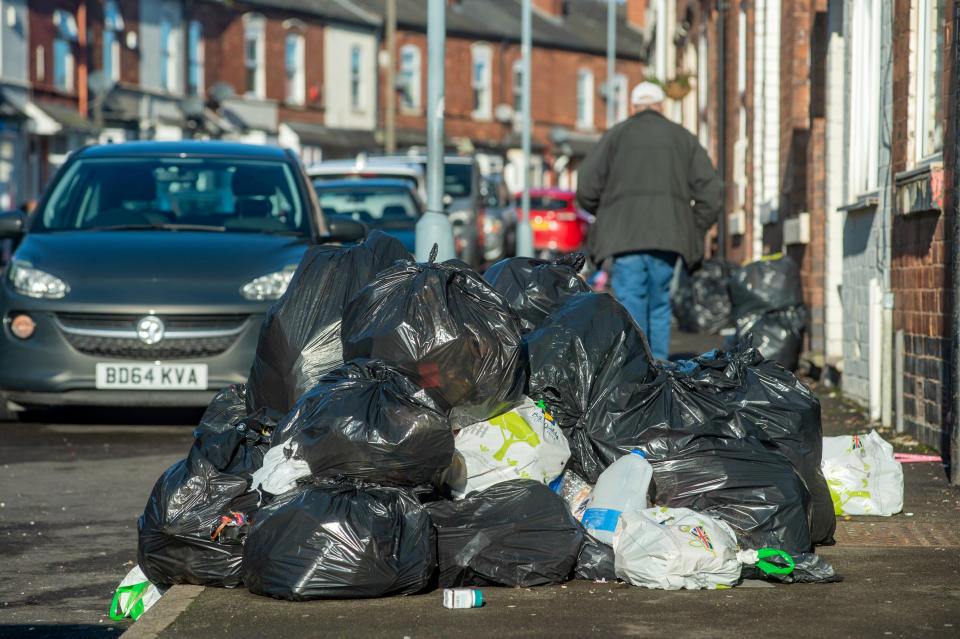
<point x="583" y="28"/>
<point x="189" y="147"/>
<point x="337" y="10"/>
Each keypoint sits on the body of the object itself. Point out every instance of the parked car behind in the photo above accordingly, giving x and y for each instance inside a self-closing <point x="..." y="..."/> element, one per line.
<point x="499" y="220"/>
<point x="559" y="226"/>
<point x="390" y="205"/>
<point x="143" y="275"/>
<point x="366" y="167"/>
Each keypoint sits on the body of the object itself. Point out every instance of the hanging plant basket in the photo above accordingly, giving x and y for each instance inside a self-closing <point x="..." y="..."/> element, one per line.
<point x="676" y="89"/>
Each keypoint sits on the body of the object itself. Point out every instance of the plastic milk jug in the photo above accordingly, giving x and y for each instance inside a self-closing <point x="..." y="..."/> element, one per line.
<point x="622" y="487"/>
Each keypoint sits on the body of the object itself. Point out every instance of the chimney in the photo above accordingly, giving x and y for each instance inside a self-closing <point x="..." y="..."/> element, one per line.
<point x="554" y="8"/>
<point x="637" y="13"/>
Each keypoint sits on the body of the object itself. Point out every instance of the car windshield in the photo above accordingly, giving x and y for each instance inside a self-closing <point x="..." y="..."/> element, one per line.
<point x="373" y="205"/>
<point x="176" y="193"/>
<point x="545" y="203"/>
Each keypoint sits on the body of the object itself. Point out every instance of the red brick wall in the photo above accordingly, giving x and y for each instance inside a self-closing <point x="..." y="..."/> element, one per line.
<point x="921" y="250"/>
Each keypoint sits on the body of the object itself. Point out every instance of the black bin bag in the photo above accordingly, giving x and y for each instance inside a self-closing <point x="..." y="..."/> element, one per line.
<point x="300" y="336"/>
<point x="230" y="438"/>
<point x="765" y="285"/>
<point x="515" y="533"/>
<point x="368" y="422"/>
<point x="444" y="327"/>
<point x="777" y="334"/>
<point x="535" y="288"/>
<point x="339" y="541"/>
<point x="587" y="362"/>
<point x="194" y="523"/>
<point x="770" y="403"/>
<point x="701" y="302"/>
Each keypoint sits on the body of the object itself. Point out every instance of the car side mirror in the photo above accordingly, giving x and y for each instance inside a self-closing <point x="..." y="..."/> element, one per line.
<point x="341" y="228"/>
<point x="11" y="224"/>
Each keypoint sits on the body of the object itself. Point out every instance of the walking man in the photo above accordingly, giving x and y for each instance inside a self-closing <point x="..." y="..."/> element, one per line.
<point x="655" y="194"/>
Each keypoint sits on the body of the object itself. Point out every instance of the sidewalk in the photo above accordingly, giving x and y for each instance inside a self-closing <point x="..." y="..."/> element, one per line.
<point x="901" y="579"/>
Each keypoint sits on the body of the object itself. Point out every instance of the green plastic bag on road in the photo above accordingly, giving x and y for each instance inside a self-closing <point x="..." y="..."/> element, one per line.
<point x="134" y="596"/>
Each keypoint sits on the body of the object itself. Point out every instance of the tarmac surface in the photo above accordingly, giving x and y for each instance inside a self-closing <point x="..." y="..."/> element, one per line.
<point x="901" y="579"/>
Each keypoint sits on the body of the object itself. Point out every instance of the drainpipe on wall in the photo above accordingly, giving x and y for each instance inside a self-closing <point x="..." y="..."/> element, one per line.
<point x="721" y="135"/>
<point x="953" y="423"/>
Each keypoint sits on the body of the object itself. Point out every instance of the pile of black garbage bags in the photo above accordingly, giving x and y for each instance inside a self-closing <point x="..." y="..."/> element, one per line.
<point x="370" y="363"/>
<point x="762" y="301"/>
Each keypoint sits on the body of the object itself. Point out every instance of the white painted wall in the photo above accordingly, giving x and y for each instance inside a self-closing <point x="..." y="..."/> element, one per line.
<point x="338" y="41"/>
<point x="766" y="122"/>
<point x="835" y="168"/>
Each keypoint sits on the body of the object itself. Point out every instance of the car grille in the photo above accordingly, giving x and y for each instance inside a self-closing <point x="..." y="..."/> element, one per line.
<point x="115" y="335"/>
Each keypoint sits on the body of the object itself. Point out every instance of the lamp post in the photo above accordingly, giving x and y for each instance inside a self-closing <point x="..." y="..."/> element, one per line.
<point x="524" y="230"/>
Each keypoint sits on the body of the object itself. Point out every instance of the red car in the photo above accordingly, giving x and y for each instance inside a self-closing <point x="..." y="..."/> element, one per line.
<point x="558" y="225"/>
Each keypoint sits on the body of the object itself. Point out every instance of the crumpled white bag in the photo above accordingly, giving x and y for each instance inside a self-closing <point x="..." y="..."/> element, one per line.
<point x="522" y="443"/>
<point x="280" y="471"/>
<point x="134" y="595"/>
<point x="674" y="548"/>
<point x="863" y="476"/>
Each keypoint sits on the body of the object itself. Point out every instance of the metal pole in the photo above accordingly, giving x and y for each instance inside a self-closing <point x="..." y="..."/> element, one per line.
<point x="611" y="60"/>
<point x="524" y="230"/>
<point x="721" y="136"/>
<point x="434" y="227"/>
<point x="953" y="452"/>
<point x="390" y="133"/>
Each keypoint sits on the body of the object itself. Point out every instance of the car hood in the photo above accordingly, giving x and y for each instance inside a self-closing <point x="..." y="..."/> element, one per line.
<point x="157" y="268"/>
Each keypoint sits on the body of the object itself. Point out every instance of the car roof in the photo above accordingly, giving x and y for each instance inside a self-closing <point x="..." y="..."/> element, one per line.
<point x="208" y="148"/>
<point x="551" y="191"/>
<point x="352" y="166"/>
<point x="363" y="182"/>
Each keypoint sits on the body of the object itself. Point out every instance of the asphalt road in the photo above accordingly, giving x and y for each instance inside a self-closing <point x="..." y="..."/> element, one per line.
<point x="72" y="485"/>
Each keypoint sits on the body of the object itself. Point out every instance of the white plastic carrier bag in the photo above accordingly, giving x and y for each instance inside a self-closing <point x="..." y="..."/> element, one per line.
<point x="134" y="596"/>
<point x="863" y="476"/>
<point x="674" y="548"/>
<point x="523" y="443"/>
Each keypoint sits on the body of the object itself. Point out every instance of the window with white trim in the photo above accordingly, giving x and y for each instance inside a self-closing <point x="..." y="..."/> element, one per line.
<point x="703" y="85"/>
<point x="927" y="68"/>
<point x="254" y="25"/>
<point x="518" y="86"/>
<point x="409" y="77"/>
<point x="40" y="62"/>
<point x="294" y="61"/>
<point x="63" y="41"/>
<point x="864" y="143"/>
<point x="619" y="97"/>
<point x="168" y="56"/>
<point x="112" y="29"/>
<point x="356" y="77"/>
<point x="481" y="79"/>
<point x="195" y="58"/>
<point x="584" y="99"/>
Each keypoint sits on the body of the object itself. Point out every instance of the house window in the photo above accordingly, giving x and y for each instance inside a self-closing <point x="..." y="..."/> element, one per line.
<point x="355" y="85"/>
<point x="409" y="77"/>
<point x="928" y="74"/>
<point x="195" y="58"/>
<point x="112" y="27"/>
<point x="703" y="83"/>
<point x="168" y="56"/>
<point x="482" y="98"/>
<point x="253" y="54"/>
<point x="518" y="86"/>
<point x="294" y="62"/>
<point x="584" y="99"/>
<point x="864" y="142"/>
<point x="41" y="63"/>
<point x="64" y="38"/>
<point x="620" y="97"/>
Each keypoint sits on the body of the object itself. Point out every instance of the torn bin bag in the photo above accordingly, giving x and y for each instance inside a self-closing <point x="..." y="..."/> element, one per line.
<point x="368" y="422"/>
<point x="336" y="541"/>
<point x="300" y="337"/>
<point x="587" y="361"/>
<point x="192" y="529"/>
<point x="443" y="326"/>
<point x="535" y="288"/>
<point x="516" y="533"/>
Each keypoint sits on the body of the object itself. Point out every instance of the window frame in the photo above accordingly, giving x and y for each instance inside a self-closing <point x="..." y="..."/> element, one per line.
<point x="356" y="77"/>
<point x="295" y="86"/>
<point x="254" y="30"/>
<point x="863" y="143"/>
<point x="482" y="86"/>
<point x="584" y="115"/>
<point x="927" y="69"/>
<point x="168" y="55"/>
<point x="517" y="71"/>
<point x="64" y="39"/>
<point x="412" y="72"/>
<point x="196" y="58"/>
<point x="620" y="95"/>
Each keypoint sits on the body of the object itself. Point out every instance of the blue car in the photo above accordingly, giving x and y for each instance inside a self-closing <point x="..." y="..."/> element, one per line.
<point x="388" y="204"/>
<point x="143" y="275"/>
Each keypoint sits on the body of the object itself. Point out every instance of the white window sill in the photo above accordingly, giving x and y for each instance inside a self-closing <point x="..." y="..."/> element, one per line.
<point x="864" y="202"/>
<point x="919" y="190"/>
<point x="481" y="117"/>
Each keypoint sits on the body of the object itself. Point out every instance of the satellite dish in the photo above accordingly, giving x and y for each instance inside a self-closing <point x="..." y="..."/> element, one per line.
<point x="222" y="91"/>
<point x="559" y="135"/>
<point x="99" y="82"/>
<point x="503" y="113"/>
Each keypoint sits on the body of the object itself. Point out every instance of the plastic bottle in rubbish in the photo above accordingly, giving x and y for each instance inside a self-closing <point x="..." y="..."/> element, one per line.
<point x="622" y="487"/>
<point x="462" y="598"/>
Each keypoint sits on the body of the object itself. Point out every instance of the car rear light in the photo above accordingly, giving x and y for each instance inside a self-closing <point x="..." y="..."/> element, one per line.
<point x="23" y="326"/>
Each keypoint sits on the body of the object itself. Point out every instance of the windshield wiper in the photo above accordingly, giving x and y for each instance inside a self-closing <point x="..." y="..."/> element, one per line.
<point x="158" y="227"/>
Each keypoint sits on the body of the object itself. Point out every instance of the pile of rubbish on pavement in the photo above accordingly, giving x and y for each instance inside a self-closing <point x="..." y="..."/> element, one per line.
<point x="408" y="426"/>
<point x="763" y="301"/>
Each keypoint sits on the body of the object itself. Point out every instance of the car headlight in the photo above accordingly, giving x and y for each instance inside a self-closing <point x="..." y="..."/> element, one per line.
<point x="270" y="286"/>
<point x="491" y="225"/>
<point x="33" y="282"/>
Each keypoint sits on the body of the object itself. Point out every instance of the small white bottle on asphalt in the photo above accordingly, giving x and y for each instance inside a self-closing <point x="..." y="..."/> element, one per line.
<point x="622" y="487"/>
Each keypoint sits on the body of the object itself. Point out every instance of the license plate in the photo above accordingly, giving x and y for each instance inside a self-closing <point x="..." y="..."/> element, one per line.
<point x="152" y="376"/>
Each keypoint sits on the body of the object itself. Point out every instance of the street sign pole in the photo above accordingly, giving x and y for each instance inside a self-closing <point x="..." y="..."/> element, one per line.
<point x="611" y="60"/>
<point x="524" y="230"/>
<point x="434" y="226"/>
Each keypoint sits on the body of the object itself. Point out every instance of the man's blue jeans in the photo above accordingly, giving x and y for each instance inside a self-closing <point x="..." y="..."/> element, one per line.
<point x="641" y="281"/>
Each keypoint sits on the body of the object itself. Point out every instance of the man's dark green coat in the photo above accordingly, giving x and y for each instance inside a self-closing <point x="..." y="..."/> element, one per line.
<point x="652" y="187"/>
